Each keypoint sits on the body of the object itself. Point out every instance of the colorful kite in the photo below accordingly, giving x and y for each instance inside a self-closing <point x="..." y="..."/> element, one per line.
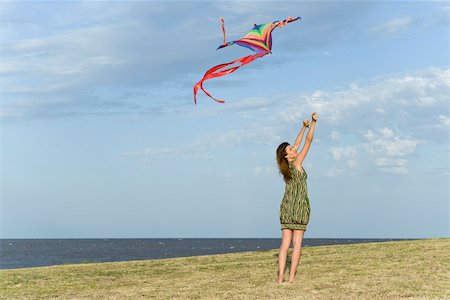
<point x="259" y="39"/>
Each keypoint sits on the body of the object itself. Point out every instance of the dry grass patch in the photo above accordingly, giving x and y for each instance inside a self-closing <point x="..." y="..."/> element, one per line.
<point x="403" y="269"/>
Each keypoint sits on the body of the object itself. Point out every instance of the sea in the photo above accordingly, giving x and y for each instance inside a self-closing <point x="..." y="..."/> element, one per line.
<point x="27" y="253"/>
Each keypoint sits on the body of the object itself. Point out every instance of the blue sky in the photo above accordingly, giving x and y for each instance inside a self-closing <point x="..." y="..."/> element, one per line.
<point x="100" y="137"/>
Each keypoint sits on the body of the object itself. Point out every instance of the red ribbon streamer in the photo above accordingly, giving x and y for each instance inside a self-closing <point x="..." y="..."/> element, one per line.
<point x="211" y="73"/>
<point x="223" y="30"/>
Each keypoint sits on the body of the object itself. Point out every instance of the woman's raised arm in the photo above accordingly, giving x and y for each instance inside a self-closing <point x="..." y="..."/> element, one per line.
<point x="299" y="139"/>
<point x="309" y="137"/>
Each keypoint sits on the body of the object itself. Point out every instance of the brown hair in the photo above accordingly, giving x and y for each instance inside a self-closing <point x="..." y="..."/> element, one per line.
<point x="282" y="162"/>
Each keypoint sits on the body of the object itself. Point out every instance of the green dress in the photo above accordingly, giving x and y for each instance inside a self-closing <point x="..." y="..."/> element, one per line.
<point x="295" y="208"/>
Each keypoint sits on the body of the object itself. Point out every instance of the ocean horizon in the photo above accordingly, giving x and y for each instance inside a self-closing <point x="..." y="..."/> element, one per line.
<point x="26" y="253"/>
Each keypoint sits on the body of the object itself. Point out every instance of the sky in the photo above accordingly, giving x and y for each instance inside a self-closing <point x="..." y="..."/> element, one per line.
<point x="100" y="137"/>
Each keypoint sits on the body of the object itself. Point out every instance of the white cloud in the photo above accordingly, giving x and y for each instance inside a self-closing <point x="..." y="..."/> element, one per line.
<point x="349" y="153"/>
<point x="393" y="26"/>
<point x="248" y="7"/>
<point x="333" y="172"/>
<point x="91" y="45"/>
<point x="259" y="170"/>
<point x="334" y="135"/>
<point x="386" y="132"/>
<point x="385" y="141"/>
<point x="352" y="163"/>
<point x="390" y="145"/>
<point x="203" y="146"/>
<point x="425" y="100"/>
<point x="154" y="155"/>
<point x="444" y="121"/>
<point x="104" y="60"/>
<point x="392" y="165"/>
<point x="400" y="98"/>
<point x="253" y="134"/>
<point x="389" y="151"/>
<point x="126" y="45"/>
<point x="340" y="152"/>
<point x="442" y="16"/>
<point x="369" y="135"/>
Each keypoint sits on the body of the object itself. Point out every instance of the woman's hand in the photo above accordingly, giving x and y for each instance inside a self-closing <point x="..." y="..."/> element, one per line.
<point x="291" y="156"/>
<point x="306" y="123"/>
<point x="314" y="116"/>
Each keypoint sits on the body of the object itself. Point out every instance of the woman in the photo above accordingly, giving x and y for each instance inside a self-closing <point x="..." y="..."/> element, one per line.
<point x="294" y="208"/>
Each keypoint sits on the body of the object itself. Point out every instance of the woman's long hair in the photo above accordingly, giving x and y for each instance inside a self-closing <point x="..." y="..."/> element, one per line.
<point x="283" y="163"/>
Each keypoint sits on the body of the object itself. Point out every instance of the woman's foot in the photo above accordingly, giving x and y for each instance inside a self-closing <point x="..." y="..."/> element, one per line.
<point x="280" y="278"/>
<point x="291" y="279"/>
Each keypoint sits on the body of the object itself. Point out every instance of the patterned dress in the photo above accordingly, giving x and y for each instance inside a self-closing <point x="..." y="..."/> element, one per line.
<point x="295" y="208"/>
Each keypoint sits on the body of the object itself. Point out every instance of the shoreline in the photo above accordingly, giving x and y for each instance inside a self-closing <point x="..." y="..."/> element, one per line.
<point x="31" y="253"/>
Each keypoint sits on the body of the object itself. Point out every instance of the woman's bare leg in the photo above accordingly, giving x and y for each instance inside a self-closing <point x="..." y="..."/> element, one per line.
<point x="296" y="251"/>
<point x="283" y="252"/>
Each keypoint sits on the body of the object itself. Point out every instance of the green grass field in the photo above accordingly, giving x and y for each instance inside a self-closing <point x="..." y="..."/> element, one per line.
<point x="388" y="270"/>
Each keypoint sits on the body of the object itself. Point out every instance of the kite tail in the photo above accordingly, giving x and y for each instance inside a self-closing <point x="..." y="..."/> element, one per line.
<point x="225" y="44"/>
<point x="223" y="30"/>
<point x="214" y="72"/>
<point x="288" y="20"/>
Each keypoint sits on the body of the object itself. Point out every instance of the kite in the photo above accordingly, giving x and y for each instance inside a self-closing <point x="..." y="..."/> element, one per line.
<point x="259" y="40"/>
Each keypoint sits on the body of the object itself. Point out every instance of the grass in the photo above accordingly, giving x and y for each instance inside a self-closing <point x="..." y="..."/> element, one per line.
<point x="388" y="270"/>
